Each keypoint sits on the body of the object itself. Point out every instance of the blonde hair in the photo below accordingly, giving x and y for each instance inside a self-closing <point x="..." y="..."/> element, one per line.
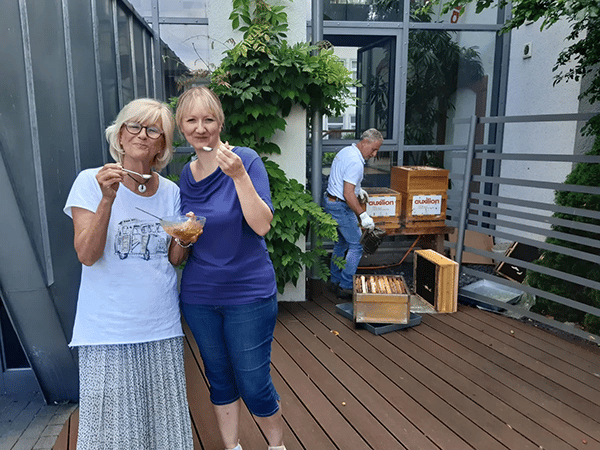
<point x="206" y="97"/>
<point x="143" y="110"/>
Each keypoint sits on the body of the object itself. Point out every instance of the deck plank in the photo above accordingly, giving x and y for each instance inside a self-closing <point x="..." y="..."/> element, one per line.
<point x="413" y="344"/>
<point x="526" y="368"/>
<point x="460" y="381"/>
<point x="463" y="413"/>
<point x="502" y="371"/>
<point x="445" y="426"/>
<point x="580" y="365"/>
<point x="544" y="361"/>
<point x="326" y="415"/>
<point x="311" y="359"/>
<point x="304" y="426"/>
<point x="584" y="350"/>
<point x="377" y="402"/>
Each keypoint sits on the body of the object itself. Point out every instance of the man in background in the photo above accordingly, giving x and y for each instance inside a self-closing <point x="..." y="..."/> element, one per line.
<point x="341" y="200"/>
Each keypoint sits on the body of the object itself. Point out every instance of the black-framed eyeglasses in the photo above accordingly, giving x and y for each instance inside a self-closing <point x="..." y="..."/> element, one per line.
<point x="136" y="128"/>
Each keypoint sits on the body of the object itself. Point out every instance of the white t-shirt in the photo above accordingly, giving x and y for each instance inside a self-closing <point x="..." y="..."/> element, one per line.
<point x="348" y="165"/>
<point x="130" y="294"/>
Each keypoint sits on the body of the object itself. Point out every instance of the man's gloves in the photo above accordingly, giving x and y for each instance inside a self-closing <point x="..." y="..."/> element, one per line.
<point x="366" y="221"/>
<point x="363" y="197"/>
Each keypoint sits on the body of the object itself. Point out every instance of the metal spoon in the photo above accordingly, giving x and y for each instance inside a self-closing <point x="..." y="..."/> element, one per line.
<point x="143" y="175"/>
<point x="207" y="149"/>
<point x="149" y="213"/>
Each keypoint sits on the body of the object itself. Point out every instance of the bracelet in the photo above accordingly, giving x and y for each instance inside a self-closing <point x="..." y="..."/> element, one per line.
<point x="181" y="245"/>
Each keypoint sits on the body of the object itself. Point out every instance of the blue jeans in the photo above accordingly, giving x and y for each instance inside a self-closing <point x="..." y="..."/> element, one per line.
<point x="235" y="344"/>
<point x="348" y="244"/>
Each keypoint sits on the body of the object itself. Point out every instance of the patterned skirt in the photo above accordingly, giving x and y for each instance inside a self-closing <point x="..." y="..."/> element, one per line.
<point x="133" y="396"/>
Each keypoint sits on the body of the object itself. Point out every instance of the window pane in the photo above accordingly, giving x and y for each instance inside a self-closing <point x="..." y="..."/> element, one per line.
<point x="344" y="126"/>
<point x="189" y="42"/>
<point x="376" y="67"/>
<point x="143" y="7"/>
<point x="182" y="8"/>
<point x="172" y="8"/>
<point x="363" y="10"/>
<point x="462" y="15"/>
<point x="449" y="76"/>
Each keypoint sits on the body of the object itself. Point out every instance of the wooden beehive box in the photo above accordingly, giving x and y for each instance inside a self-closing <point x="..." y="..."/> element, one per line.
<point x="380" y="299"/>
<point x="418" y="179"/>
<point x="384" y="207"/>
<point x="436" y="280"/>
<point x="521" y="252"/>
<point x="423" y="210"/>
<point x="423" y="190"/>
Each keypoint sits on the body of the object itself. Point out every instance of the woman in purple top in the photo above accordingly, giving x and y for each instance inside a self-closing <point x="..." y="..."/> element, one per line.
<point x="228" y="289"/>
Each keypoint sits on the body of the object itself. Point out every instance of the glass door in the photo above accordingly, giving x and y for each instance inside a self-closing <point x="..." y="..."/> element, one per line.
<point x="376" y="66"/>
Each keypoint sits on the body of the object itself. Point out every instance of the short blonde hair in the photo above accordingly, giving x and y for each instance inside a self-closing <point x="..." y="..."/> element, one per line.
<point x="206" y="97"/>
<point x="143" y="110"/>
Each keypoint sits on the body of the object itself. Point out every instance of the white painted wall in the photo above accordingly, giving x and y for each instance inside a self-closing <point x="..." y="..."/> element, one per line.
<point x="293" y="141"/>
<point x="531" y="91"/>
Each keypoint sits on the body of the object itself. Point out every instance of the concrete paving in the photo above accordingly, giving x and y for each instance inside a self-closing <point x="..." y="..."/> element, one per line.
<point x="28" y="423"/>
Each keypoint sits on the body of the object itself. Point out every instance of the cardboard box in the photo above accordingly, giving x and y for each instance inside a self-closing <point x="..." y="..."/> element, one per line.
<point x="419" y="179"/>
<point x="473" y="239"/>
<point x="436" y="280"/>
<point x="384" y="207"/>
<point x="374" y="302"/>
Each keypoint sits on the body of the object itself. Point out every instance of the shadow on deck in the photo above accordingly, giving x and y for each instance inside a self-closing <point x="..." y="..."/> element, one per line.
<point x="468" y="380"/>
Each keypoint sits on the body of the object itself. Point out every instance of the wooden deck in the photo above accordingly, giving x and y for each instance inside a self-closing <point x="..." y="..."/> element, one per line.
<point x="468" y="380"/>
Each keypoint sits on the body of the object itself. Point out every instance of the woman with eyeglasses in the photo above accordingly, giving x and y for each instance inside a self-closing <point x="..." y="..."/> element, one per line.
<point x="127" y="327"/>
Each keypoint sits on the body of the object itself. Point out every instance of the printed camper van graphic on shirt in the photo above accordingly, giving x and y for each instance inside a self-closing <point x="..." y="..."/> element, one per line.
<point x="141" y="239"/>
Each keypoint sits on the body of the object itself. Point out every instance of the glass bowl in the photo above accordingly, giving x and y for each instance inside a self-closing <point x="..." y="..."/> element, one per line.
<point x="184" y="228"/>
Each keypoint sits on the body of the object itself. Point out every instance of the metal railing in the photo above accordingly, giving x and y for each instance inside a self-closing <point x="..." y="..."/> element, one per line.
<point x="488" y="209"/>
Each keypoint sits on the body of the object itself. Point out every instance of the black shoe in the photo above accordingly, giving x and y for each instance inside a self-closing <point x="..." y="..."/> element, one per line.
<point x="344" y="293"/>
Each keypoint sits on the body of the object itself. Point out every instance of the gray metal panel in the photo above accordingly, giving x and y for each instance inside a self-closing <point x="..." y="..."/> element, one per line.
<point x="89" y="136"/>
<point x="538" y="205"/>
<point x="87" y="120"/>
<point x="58" y="165"/>
<point x="539" y="157"/>
<point x="125" y="65"/>
<point x="139" y="60"/>
<point x="30" y="305"/>
<point x="60" y="62"/>
<point x="534" y="217"/>
<point x="593" y="190"/>
<point x="108" y="60"/>
<point x="19" y="128"/>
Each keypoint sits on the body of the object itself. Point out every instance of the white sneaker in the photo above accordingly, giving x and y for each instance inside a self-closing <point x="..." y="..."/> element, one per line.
<point x="237" y="447"/>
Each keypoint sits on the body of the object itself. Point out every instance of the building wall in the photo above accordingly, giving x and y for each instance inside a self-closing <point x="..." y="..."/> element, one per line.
<point x="531" y="92"/>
